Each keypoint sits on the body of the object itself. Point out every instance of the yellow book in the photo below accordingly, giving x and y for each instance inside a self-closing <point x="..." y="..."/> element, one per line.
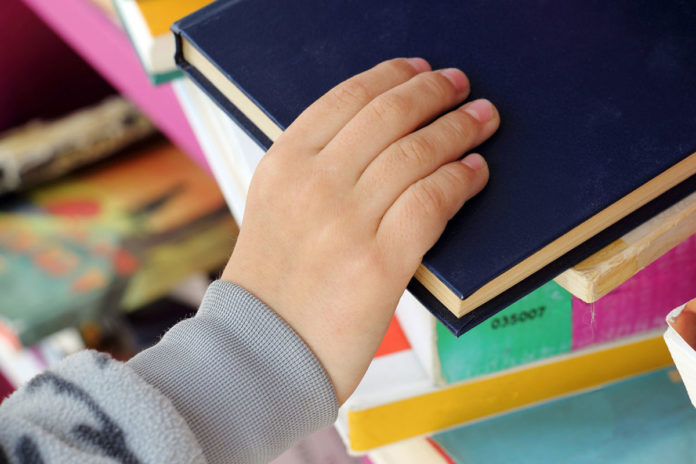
<point x="396" y="401"/>
<point x="147" y="23"/>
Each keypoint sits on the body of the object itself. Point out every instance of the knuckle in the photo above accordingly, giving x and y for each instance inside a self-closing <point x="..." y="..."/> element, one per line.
<point x="458" y="125"/>
<point x="322" y="177"/>
<point x="415" y="150"/>
<point x="390" y="106"/>
<point x="436" y="86"/>
<point x="457" y="176"/>
<point x="352" y="92"/>
<point x="430" y="196"/>
<point x="398" y="66"/>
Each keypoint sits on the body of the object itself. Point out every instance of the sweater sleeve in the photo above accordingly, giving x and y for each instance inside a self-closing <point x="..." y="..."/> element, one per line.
<point x="232" y="384"/>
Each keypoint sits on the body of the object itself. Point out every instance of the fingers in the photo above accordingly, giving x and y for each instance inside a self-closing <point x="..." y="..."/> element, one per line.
<point x="417" y="219"/>
<point x="321" y="121"/>
<point x="419" y="154"/>
<point x="394" y="114"/>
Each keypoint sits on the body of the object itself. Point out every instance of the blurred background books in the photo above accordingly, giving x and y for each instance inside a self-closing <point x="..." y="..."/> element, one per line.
<point x="103" y="220"/>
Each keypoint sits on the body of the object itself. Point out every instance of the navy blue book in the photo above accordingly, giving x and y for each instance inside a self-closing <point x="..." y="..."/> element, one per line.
<point x="597" y="99"/>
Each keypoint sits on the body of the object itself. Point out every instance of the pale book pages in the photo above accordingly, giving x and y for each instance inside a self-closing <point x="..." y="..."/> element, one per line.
<point x="613" y="265"/>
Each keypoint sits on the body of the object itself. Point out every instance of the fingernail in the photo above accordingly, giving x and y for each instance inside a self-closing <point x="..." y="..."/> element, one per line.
<point x="480" y="109"/>
<point x="474" y="161"/>
<point x="458" y="79"/>
<point x="419" y="64"/>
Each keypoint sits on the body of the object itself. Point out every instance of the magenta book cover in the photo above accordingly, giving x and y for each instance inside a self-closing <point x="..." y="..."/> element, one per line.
<point x="642" y="302"/>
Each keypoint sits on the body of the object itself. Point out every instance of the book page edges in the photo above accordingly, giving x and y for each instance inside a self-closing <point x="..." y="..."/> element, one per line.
<point x="557" y="248"/>
<point x="235" y="95"/>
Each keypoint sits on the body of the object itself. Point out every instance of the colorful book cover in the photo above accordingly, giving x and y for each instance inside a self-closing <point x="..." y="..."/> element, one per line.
<point x="397" y="400"/>
<point x="647" y="419"/>
<point x="549" y="321"/>
<point x="535" y="327"/>
<point x="642" y="302"/>
<point x="108" y="238"/>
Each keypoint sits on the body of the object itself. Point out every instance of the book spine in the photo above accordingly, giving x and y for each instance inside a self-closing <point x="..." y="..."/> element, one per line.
<point x="232" y="111"/>
<point x="438" y="409"/>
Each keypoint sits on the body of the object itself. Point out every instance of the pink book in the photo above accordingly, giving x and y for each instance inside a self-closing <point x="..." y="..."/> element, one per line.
<point x="107" y="48"/>
<point x="642" y="302"/>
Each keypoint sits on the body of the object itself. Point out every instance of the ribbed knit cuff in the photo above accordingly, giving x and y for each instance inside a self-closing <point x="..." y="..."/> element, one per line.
<point x="244" y="381"/>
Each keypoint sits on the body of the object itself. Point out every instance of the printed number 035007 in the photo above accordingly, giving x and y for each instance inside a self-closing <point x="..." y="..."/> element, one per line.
<point x="520" y="317"/>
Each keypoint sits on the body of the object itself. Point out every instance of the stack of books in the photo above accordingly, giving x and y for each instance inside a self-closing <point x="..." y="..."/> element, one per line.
<point x="645" y="419"/>
<point x="584" y="235"/>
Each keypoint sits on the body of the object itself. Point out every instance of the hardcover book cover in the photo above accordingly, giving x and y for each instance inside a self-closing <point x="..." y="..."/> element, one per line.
<point x="597" y="103"/>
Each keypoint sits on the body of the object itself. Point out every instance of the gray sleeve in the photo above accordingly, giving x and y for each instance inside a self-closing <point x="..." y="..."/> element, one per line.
<point x="90" y="408"/>
<point x="233" y="384"/>
<point x="244" y="381"/>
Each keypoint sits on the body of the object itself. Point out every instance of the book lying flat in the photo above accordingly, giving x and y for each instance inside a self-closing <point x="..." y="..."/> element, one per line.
<point x="614" y="264"/>
<point x="396" y="399"/>
<point x="549" y="321"/>
<point x="597" y="100"/>
<point x="646" y="419"/>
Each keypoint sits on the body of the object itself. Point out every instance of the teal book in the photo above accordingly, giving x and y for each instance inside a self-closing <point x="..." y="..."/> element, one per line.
<point x="645" y="420"/>
<point x="537" y="326"/>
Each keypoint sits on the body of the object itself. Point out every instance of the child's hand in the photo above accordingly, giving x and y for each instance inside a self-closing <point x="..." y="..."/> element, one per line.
<point x="347" y="201"/>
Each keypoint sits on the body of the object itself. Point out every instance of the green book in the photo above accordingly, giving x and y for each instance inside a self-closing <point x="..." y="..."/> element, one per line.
<point x="533" y="328"/>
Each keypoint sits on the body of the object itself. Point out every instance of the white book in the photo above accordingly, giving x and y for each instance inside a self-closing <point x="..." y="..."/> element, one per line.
<point x="231" y="153"/>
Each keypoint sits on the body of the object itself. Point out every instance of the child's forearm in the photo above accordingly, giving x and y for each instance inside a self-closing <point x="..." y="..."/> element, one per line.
<point x="246" y="384"/>
<point x="232" y="384"/>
